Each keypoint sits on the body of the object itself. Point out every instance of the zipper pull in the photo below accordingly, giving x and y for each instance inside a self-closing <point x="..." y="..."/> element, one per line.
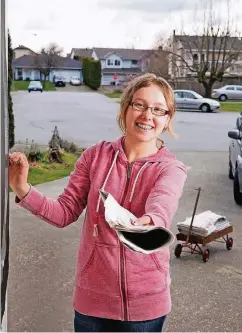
<point x="95" y="230"/>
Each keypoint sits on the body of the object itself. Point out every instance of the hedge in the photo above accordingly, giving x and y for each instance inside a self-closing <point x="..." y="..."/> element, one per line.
<point x="91" y="70"/>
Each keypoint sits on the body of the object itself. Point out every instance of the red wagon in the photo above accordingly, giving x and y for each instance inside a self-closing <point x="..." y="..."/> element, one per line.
<point x="196" y="244"/>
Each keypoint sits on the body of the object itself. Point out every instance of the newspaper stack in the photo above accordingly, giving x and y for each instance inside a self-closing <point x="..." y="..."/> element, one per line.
<point x="144" y="239"/>
<point x="203" y="224"/>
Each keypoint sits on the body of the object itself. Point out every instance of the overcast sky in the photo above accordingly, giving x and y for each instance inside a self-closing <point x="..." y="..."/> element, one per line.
<point x="106" y="23"/>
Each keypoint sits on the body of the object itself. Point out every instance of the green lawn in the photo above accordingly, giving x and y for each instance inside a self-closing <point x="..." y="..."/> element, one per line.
<point x="113" y="94"/>
<point x="44" y="172"/>
<point x="23" y="85"/>
<point x="231" y="107"/>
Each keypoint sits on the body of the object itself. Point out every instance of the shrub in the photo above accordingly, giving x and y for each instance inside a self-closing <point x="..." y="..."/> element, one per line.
<point x="91" y="72"/>
<point x="118" y="90"/>
<point x="58" y="142"/>
<point x="68" y="146"/>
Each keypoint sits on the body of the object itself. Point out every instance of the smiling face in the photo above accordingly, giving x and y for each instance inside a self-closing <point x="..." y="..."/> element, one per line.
<point x="145" y="126"/>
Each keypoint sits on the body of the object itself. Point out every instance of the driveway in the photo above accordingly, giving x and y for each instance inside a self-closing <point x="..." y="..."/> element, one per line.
<point x="70" y="88"/>
<point x="89" y="117"/>
<point x="206" y="297"/>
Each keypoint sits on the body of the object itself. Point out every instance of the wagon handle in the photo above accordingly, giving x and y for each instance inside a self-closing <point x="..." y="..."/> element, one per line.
<point x="194" y="212"/>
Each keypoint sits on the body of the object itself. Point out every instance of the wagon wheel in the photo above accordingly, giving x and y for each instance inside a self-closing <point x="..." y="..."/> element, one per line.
<point x="178" y="250"/>
<point x="229" y="243"/>
<point x="205" y="255"/>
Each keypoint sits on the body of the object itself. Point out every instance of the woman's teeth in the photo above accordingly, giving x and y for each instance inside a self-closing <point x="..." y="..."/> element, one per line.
<point x="144" y="127"/>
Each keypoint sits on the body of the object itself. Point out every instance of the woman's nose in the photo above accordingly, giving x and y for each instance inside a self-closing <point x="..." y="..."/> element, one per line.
<point x="147" y="114"/>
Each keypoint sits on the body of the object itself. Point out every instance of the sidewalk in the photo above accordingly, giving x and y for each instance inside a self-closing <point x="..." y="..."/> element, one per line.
<point x="42" y="269"/>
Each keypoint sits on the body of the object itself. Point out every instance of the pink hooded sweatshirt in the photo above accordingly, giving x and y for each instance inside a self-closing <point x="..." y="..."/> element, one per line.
<point x="112" y="281"/>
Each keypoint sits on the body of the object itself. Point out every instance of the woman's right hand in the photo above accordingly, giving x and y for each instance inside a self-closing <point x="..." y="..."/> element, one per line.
<point x="18" y="174"/>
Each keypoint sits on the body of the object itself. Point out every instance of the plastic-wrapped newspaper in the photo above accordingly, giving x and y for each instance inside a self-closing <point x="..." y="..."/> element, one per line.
<point x="144" y="239"/>
<point x="204" y="224"/>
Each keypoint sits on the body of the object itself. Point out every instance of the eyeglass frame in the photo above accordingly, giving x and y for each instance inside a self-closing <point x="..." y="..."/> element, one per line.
<point x="149" y="107"/>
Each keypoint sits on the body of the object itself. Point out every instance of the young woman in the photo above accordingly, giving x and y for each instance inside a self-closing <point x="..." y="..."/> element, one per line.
<point x="117" y="289"/>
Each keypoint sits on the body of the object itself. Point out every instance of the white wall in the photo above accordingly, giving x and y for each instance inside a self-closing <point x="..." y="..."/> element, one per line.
<point x="112" y="58"/>
<point x="103" y="63"/>
<point x="126" y="63"/>
<point x="72" y="54"/>
<point x="94" y="55"/>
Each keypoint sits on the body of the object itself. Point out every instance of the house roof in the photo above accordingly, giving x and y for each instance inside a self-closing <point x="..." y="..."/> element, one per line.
<point x="30" y="61"/>
<point x="196" y="42"/>
<point x="85" y="52"/>
<point x="22" y="47"/>
<point x="126" y="54"/>
<point x="121" y="70"/>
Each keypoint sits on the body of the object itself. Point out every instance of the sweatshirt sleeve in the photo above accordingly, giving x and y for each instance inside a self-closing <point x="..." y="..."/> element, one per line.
<point x="70" y="204"/>
<point x="163" y="199"/>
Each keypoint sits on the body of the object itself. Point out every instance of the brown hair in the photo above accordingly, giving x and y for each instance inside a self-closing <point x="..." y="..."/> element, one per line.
<point x="145" y="81"/>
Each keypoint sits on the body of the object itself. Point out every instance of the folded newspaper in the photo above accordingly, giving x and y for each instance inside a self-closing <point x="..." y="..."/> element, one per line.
<point x="144" y="239"/>
<point x="204" y="224"/>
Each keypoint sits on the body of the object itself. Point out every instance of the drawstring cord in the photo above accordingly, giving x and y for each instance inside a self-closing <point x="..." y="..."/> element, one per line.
<point x="133" y="189"/>
<point x="95" y="231"/>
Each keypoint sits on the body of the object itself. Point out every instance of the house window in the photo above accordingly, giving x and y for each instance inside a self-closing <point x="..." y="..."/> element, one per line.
<point x="134" y="62"/>
<point x="117" y="62"/>
<point x="202" y="58"/>
<point x="195" y="57"/>
<point x="110" y="62"/>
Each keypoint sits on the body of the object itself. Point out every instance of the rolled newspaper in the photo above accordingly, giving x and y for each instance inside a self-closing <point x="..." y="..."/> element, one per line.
<point x="144" y="239"/>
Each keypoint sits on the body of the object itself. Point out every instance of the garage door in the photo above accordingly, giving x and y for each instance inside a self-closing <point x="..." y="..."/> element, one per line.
<point x="106" y="80"/>
<point x="68" y="74"/>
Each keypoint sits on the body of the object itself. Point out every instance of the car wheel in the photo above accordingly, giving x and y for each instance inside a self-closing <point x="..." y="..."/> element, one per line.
<point x="237" y="193"/>
<point x="205" y="108"/>
<point x="222" y="98"/>
<point x="29" y="91"/>
<point x="231" y="176"/>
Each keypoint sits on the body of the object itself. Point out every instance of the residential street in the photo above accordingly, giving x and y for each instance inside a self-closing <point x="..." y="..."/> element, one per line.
<point x="206" y="297"/>
<point x="89" y="117"/>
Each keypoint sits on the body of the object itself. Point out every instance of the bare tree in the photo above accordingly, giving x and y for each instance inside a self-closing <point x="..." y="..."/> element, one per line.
<point x="158" y="61"/>
<point x="48" y="58"/>
<point x="210" y="55"/>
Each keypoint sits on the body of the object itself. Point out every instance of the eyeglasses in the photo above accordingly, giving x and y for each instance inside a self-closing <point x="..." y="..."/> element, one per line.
<point x="154" y="110"/>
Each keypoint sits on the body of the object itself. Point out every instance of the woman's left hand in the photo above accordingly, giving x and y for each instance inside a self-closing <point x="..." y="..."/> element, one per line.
<point x="144" y="220"/>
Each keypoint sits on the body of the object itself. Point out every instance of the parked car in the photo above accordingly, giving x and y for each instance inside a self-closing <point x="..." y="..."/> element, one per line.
<point x="235" y="159"/>
<point x="228" y="92"/>
<point x="75" y="81"/>
<point x="188" y="99"/>
<point x="35" y="86"/>
<point x="59" y="81"/>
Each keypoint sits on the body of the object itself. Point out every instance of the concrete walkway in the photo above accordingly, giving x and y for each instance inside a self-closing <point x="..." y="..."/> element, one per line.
<point x="42" y="268"/>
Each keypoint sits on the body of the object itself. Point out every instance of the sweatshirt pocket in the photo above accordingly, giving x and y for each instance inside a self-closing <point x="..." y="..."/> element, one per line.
<point x="145" y="275"/>
<point x="100" y="272"/>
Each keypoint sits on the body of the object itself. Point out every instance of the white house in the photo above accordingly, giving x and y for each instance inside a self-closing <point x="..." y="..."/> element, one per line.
<point x="22" y="50"/>
<point x="116" y="63"/>
<point x="26" y="67"/>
